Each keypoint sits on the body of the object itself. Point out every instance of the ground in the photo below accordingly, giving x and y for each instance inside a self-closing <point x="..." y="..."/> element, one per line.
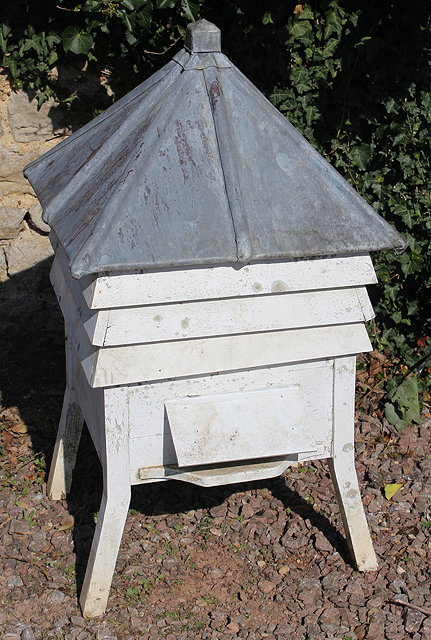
<point x="262" y="560"/>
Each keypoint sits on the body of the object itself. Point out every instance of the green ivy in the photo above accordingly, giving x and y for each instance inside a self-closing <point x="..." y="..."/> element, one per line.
<point x="354" y="77"/>
<point x="38" y="36"/>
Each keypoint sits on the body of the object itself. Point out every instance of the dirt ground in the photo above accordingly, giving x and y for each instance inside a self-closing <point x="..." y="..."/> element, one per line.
<point x="262" y="560"/>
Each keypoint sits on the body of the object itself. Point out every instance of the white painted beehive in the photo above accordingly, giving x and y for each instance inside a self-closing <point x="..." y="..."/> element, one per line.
<point x="213" y="305"/>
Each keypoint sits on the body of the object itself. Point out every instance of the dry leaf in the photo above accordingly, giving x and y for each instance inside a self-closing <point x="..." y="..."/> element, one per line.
<point x="422" y="342"/>
<point x="67" y="523"/>
<point x="20" y="427"/>
<point x="392" y="489"/>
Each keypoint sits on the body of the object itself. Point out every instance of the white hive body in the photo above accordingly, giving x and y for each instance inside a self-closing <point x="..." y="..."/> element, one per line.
<point x="212" y="326"/>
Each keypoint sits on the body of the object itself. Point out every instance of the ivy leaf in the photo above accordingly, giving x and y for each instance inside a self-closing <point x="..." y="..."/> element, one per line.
<point x="190" y="9"/>
<point x="41" y="98"/>
<point x="392" y="416"/>
<point x="361" y="156"/>
<point x="164" y="4"/>
<point x="13" y="68"/>
<point x="305" y="14"/>
<point x="76" y="40"/>
<point x="128" y="4"/>
<point x="134" y="5"/>
<point x="391" y="489"/>
<point x="52" y="57"/>
<point x="279" y="95"/>
<point x="144" y="17"/>
<point x="131" y="38"/>
<point x="406" y="399"/>
<point x="300" y="28"/>
<point x="3" y="42"/>
<point x="128" y="19"/>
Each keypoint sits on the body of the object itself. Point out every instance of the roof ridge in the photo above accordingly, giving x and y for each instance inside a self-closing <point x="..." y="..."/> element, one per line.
<point x="234" y="195"/>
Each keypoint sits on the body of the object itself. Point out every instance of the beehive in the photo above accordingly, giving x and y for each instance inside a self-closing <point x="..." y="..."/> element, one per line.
<point x="212" y="269"/>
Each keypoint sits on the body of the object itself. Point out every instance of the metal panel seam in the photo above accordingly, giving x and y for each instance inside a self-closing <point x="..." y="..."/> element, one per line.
<point x="238" y="215"/>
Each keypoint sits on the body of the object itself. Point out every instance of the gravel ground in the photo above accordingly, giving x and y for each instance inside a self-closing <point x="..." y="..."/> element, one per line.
<point x="261" y="560"/>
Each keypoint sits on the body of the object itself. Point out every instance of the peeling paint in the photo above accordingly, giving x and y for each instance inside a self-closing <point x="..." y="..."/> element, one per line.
<point x="352" y="493"/>
<point x="215" y="91"/>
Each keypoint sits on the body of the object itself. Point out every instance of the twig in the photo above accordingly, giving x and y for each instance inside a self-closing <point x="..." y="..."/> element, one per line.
<point x="21" y="466"/>
<point x="373" y="389"/>
<point x="160" y="53"/>
<point x="426" y="612"/>
<point x="30" y="562"/>
<point x="9" y="519"/>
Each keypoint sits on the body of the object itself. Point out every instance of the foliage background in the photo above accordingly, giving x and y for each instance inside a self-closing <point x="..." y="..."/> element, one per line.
<point x="354" y="77"/>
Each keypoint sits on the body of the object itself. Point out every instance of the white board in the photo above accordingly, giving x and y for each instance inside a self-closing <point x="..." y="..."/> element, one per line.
<point x="146" y="402"/>
<point x="151" y="443"/>
<point x="145" y="362"/>
<point x="137" y="289"/>
<point x="207" y="318"/>
<point x="241" y="426"/>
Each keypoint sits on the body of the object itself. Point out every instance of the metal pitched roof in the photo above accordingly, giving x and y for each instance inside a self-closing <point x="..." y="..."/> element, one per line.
<point x="196" y="167"/>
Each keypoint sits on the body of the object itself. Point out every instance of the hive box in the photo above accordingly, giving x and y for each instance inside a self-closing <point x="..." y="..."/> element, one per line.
<point x="211" y="268"/>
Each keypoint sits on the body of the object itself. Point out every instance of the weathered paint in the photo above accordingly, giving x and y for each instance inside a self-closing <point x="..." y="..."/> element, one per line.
<point x="141" y="325"/>
<point x="342" y="467"/>
<point x="68" y="435"/>
<point x="158" y="361"/>
<point x="178" y="285"/>
<point x="196" y="167"/>
<point x="113" y="508"/>
<point x="217" y="475"/>
<point x="241" y="425"/>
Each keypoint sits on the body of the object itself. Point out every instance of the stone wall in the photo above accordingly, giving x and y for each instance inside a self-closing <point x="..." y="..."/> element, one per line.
<point x="25" y="133"/>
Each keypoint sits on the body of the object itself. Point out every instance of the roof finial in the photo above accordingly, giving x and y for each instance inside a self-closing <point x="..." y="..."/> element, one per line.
<point x="202" y="37"/>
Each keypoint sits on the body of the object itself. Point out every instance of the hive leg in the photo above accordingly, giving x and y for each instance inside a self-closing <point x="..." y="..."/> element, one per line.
<point x="342" y="468"/>
<point x="113" y="508"/>
<point x="68" y="437"/>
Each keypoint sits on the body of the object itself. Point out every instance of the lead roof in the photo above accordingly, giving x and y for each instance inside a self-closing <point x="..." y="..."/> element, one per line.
<point x="196" y="167"/>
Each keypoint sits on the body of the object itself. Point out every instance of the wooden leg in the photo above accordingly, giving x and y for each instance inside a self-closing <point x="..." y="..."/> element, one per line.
<point x="68" y="437"/>
<point x="342" y="468"/>
<point x="103" y="554"/>
<point x="113" y="509"/>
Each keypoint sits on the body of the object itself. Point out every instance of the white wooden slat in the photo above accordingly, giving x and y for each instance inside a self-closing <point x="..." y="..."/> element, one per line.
<point x="84" y="282"/>
<point x="342" y="467"/>
<point x="113" y="507"/>
<point x="365" y="302"/>
<point x="146" y="401"/>
<point x="246" y="425"/>
<point x="137" y="363"/>
<point x="87" y="353"/>
<point x="223" y="317"/>
<point x="91" y="402"/>
<point x="110" y="327"/>
<point x="136" y="289"/>
<point x="258" y="470"/>
<point x="95" y="322"/>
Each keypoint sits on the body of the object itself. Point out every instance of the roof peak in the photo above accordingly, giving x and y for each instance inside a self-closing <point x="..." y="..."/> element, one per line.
<point x="202" y="37"/>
